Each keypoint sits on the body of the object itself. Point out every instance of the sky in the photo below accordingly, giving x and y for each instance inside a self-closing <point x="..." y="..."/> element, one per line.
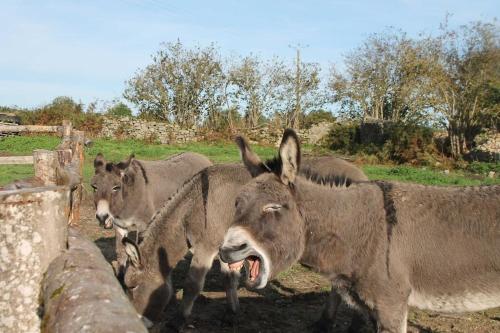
<point x="88" y="49"/>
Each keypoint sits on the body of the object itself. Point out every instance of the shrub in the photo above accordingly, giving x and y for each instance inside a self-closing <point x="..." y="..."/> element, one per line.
<point x="59" y="109"/>
<point x="407" y="143"/>
<point x="400" y="143"/>
<point x="343" y="137"/>
<point x="119" y="110"/>
<point x="316" y="117"/>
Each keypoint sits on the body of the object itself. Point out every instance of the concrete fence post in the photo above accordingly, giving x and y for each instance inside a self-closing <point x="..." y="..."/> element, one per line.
<point x="45" y="163"/>
<point x="33" y="232"/>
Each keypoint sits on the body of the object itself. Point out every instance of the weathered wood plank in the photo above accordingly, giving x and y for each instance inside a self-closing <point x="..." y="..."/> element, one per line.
<point x="16" y="160"/>
<point x="30" y="129"/>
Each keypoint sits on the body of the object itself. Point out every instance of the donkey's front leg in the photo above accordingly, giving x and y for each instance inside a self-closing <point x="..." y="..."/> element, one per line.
<point x="391" y="310"/>
<point x="121" y="256"/>
<point x="231" y="282"/>
<point x="200" y="264"/>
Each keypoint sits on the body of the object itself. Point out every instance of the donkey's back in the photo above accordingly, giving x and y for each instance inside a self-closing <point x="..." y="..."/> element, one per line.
<point x="448" y="241"/>
<point x="166" y="176"/>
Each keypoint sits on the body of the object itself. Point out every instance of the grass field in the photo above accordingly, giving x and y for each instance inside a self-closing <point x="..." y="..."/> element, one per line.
<point x="220" y="152"/>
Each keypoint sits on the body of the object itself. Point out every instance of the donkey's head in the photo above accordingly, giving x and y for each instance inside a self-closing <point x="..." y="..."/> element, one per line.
<point x="117" y="188"/>
<point x="267" y="234"/>
<point x="147" y="291"/>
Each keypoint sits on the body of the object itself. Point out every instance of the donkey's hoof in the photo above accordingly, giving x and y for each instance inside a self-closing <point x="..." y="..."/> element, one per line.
<point x="230" y="319"/>
<point x="188" y="328"/>
<point x="322" y="326"/>
<point x="182" y="324"/>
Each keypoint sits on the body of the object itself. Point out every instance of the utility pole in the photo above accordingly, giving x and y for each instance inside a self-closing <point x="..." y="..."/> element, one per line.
<point x="295" y="121"/>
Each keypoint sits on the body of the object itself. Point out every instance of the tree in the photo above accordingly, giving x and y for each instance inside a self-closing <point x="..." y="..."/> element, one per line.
<point x="464" y="72"/>
<point x="181" y="85"/>
<point x="291" y="91"/>
<point x="252" y="85"/>
<point x="383" y="80"/>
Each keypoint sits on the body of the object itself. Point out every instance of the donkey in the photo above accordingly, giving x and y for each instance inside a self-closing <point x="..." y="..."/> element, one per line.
<point x="384" y="245"/>
<point x="195" y="218"/>
<point x="127" y="194"/>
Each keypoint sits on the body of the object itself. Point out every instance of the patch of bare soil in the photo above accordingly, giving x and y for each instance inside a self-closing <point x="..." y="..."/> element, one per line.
<point x="291" y="303"/>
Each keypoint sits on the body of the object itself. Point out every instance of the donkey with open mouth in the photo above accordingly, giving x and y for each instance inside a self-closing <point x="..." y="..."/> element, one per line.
<point x="384" y="245"/>
<point x="127" y="194"/>
<point x="197" y="218"/>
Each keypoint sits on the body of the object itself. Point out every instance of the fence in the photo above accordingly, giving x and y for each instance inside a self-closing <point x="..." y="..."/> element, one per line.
<point x="62" y="166"/>
<point x="52" y="279"/>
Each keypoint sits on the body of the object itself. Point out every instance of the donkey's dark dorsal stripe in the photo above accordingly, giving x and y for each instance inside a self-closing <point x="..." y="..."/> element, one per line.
<point x="331" y="180"/>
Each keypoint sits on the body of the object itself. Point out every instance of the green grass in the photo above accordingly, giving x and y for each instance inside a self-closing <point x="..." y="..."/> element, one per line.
<point x="220" y="152"/>
<point x="425" y="175"/>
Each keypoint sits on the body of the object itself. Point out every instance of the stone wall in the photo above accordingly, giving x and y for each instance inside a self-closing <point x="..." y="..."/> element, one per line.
<point x="127" y="127"/>
<point x="171" y="134"/>
<point x="487" y="146"/>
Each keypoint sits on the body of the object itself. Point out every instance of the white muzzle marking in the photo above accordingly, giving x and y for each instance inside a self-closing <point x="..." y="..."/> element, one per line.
<point x="235" y="236"/>
<point x="103" y="209"/>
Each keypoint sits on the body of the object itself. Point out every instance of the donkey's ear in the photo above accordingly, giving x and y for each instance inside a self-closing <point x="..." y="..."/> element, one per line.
<point x="99" y="162"/>
<point x="251" y="161"/>
<point x="126" y="170"/>
<point x="123" y="165"/>
<point x="290" y="156"/>
<point x="132" y="251"/>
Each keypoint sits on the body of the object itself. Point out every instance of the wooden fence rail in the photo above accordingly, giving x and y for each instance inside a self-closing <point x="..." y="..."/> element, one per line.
<point x="63" y="166"/>
<point x="30" y="129"/>
<point x="16" y="160"/>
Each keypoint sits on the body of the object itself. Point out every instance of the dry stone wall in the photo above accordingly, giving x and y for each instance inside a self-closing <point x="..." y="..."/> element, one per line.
<point x="487" y="147"/>
<point x="164" y="133"/>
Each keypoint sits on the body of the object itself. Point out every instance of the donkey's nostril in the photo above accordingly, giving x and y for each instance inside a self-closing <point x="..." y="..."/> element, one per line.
<point x="241" y="247"/>
<point x="233" y="253"/>
<point x="102" y="218"/>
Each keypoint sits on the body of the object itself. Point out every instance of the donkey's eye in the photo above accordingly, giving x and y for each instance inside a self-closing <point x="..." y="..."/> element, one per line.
<point x="94" y="187"/>
<point x="272" y="207"/>
<point x="116" y="188"/>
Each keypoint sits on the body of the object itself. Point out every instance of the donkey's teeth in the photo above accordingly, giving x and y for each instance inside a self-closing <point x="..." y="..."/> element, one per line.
<point x="236" y="266"/>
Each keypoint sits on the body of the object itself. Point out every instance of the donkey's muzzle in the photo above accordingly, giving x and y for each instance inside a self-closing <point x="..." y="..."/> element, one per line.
<point x="103" y="221"/>
<point x="230" y="254"/>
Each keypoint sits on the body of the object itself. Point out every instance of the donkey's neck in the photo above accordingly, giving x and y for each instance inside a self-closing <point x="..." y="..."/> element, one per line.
<point x="166" y="237"/>
<point x="335" y="218"/>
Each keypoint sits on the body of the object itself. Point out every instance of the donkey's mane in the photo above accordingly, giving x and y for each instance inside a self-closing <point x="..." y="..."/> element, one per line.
<point x="274" y="165"/>
<point x="170" y="203"/>
<point x="328" y="180"/>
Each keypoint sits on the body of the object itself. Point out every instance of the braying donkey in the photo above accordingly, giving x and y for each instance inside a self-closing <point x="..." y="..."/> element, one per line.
<point x="196" y="218"/>
<point x="384" y="245"/>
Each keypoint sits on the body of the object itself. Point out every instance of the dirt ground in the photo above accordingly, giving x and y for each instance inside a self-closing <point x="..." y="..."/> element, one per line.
<point x="291" y="303"/>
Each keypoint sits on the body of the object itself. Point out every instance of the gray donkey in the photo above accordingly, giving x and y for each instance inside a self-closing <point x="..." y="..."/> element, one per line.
<point x="384" y="245"/>
<point x="127" y="194"/>
<point x="196" y="218"/>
